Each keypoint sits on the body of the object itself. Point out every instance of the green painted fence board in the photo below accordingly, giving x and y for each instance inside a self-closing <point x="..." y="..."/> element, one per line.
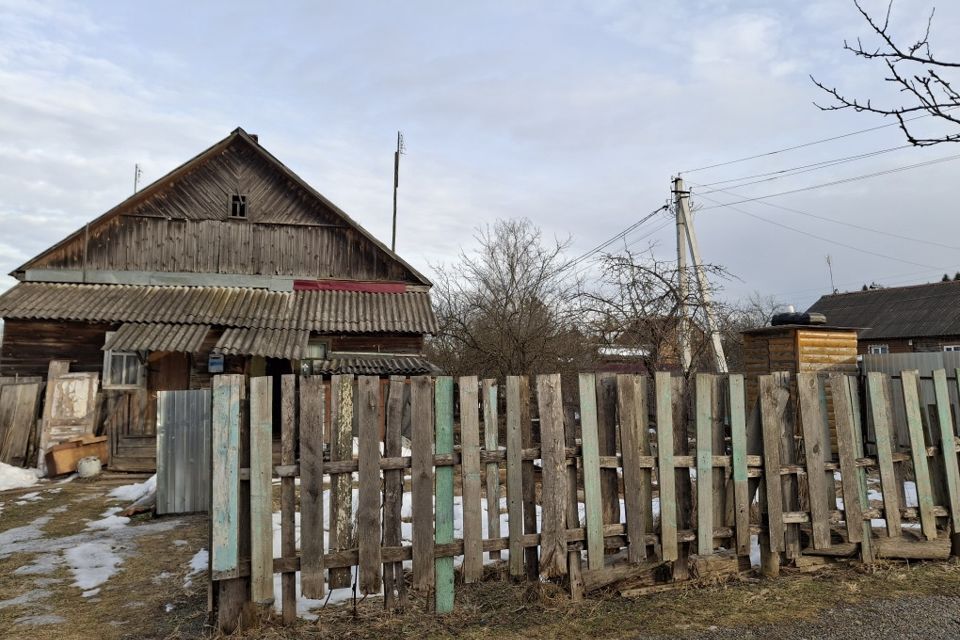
<point x="261" y="490"/>
<point x="443" y="508"/>
<point x="591" y="469"/>
<point x="877" y="384"/>
<point x="918" y="451"/>
<point x="704" y="464"/>
<point x="948" y="446"/>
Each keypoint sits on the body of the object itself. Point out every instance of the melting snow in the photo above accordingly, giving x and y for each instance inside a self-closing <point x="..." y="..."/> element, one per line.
<point x="133" y="492"/>
<point x="16" y="478"/>
<point x="92" y="563"/>
<point x="110" y="522"/>
<point x="199" y="562"/>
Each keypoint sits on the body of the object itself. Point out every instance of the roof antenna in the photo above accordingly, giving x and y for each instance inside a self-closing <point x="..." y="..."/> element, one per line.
<point x="396" y="183"/>
<point x="830" y="267"/>
<point x="136" y="176"/>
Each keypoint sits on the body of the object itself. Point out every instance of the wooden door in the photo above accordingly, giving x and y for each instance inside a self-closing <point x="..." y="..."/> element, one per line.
<point x="72" y="408"/>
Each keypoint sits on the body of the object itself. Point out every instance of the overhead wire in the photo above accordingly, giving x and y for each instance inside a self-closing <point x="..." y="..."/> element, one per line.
<point x="813" y="235"/>
<point x="803" y="145"/>
<point x="834" y="220"/>
<point x="614" y="238"/>
<point x="770" y="176"/>
<point x="832" y="183"/>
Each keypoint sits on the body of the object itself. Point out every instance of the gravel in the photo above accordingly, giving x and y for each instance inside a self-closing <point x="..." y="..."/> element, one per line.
<point x="923" y="617"/>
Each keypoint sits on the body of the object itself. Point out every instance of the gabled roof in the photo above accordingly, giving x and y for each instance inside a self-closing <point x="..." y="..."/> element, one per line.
<point x="897" y="312"/>
<point x="159" y="185"/>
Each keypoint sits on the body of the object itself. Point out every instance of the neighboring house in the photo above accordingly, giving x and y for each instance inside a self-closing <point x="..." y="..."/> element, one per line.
<point x="229" y="263"/>
<point x="922" y="317"/>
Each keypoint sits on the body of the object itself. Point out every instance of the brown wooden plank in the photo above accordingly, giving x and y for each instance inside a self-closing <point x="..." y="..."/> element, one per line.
<point x="368" y="504"/>
<point x="574" y="556"/>
<point x="771" y="412"/>
<point x="812" y="422"/>
<point x="342" y="533"/>
<point x="312" y="583"/>
<point x="607" y="441"/>
<point x="630" y="437"/>
<point x="705" y="486"/>
<point x="470" y="470"/>
<point x="514" y="476"/>
<point x="421" y="478"/>
<point x="788" y="455"/>
<point x="553" y="542"/>
<point x="531" y="559"/>
<point x="684" y="487"/>
<point x="738" y="448"/>
<point x="394" y="584"/>
<point x="288" y="497"/>
<point x="261" y="490"/>
<point x="492" y="470"/>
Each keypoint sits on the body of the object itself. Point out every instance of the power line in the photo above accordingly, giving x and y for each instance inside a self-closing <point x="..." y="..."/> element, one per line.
<point x="804" y="145"/>
<point x="840" y="222"/>
<point x="586" y="267"/>
<point x="841" y="181"/>
<point x="824" y="239"/>
<point x="806" y="168"/>
<point x="614" y="238"/>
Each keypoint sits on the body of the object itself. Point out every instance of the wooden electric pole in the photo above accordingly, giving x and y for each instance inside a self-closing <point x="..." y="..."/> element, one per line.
<point x="685" y="227"/>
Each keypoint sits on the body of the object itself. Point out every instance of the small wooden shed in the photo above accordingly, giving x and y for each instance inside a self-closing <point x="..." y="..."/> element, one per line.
<point x="795" y="348"/>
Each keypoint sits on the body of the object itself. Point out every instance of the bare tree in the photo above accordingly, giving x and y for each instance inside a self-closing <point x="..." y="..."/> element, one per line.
<point x="913" y="70"/>
<point x="635" y="309"/>
<point x="508" y="308"/>
<point x="735" y="318"/>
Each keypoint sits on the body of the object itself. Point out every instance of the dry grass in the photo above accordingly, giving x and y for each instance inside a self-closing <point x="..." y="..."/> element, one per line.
<point x="501" y="609"/>
<point x="132" y="603"/>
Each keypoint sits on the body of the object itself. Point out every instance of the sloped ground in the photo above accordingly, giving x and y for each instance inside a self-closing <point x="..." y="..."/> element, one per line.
<point x="72" y="568"/>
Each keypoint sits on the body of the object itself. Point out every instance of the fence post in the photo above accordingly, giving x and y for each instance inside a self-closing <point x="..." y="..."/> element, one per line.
<point x="443" y="508"/>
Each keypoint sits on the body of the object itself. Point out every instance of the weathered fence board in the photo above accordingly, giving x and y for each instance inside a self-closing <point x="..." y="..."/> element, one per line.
<point x="734" y="455"/>
<point x="443" y="508"/>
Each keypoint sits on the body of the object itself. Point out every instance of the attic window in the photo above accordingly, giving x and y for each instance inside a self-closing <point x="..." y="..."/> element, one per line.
<point x="238" y="206"/>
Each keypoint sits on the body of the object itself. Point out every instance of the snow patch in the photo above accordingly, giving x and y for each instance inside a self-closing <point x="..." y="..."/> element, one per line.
<point x="133" y="492"/>
<point x="92" y="563"/>
<point x="16" y="478"/>
<point x="199" y="562"/>
<point x="34" y="621"/>
<point x="90" y="593"/>
<point x="110" y="522"/>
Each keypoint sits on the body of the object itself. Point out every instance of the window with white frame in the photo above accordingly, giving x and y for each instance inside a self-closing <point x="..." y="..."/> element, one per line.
<point x="122" y="369"/>
<point x="951" y="347"/>
<point x="878" y="349"/>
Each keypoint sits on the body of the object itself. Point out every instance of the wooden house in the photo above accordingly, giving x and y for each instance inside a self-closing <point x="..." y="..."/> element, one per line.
<point x="916" y="318"/>
<point x="230" y="263"/>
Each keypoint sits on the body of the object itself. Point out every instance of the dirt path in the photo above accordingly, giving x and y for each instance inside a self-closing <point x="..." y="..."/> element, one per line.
<point x="72" y="569"/>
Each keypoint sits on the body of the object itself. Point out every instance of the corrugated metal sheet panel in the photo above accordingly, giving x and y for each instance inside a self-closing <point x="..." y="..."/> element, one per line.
<point x="270" y="343"/>
<point x="897" y="312"/>
<point x="156" y="336"/>
<point x="322" y="311"/>
<point x="183" y="451"/>
<point x="375" y="365"/>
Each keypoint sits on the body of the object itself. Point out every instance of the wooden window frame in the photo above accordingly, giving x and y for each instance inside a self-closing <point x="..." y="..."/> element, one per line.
<point x="246" y="207"/>
<point x="107" y="373"/>
<point x="878" y="349"/>
<point x="950" y="348"/>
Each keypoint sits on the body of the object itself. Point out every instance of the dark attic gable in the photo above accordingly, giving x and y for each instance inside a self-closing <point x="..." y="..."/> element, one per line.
<point x="232" y="216"/>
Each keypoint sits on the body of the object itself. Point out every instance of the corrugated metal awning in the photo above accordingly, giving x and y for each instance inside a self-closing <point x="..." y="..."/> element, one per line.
<point x="375" y="365"/>
<point x="320" y="311"/>
<point x="269" y="343"/>
<point x="157" y="336"/>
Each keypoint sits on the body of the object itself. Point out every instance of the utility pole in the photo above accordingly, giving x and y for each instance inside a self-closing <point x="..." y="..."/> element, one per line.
<point x="680" y="201"/>
<point x="396" y="183"/>
<point x="683" y="211"/>
<point x="833" y="289"/>
<point x="136" y="177"/>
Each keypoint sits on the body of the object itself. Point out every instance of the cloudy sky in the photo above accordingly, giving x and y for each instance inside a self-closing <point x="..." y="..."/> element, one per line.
<point x="572" y="114"/>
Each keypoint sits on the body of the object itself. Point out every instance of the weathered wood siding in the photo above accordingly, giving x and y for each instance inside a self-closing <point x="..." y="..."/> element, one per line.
<point x="186" y="227"/>
<point x="30" y="345"/>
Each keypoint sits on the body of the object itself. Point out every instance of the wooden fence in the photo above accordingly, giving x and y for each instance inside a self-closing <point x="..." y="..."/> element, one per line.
<point x="645" y="475"/>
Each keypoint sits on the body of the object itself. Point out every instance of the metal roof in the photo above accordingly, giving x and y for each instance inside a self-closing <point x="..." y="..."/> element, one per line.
<point x="270" y="343"/>
<point x="898" y="312"/>
<point x="157" y="336"/>
<point x="319" y="311"/>
<point x="380" y="365"/>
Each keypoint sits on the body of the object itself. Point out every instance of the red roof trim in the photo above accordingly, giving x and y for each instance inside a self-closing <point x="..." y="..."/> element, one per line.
<point x="349" y="285"/>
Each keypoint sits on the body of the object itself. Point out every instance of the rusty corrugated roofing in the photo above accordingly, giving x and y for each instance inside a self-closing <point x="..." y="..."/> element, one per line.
<point x="382" y="365"/>
<point x="897" y="312"/>
<point x="319" y="311"/>
<point x="157" y="336"/>
<point x="270" y="343"/>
